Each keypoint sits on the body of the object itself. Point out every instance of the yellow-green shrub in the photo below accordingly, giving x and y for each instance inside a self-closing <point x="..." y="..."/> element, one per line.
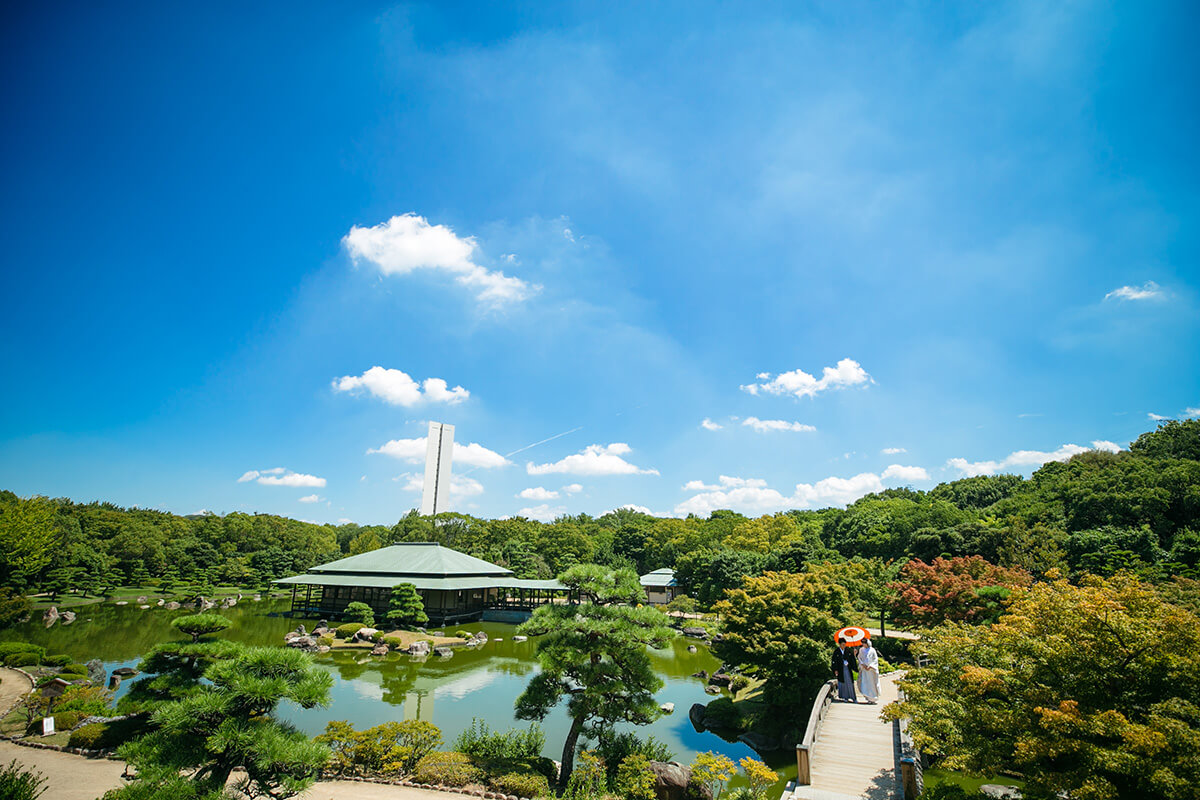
<point x="446" y="768"/>
<point x="521" y="784"/>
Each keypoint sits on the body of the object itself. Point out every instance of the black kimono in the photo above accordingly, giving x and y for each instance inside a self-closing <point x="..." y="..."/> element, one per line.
<point x="845" y="667"/>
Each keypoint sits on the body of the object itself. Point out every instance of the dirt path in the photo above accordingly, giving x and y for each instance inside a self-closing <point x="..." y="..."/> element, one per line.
<point x="13" y="686"/>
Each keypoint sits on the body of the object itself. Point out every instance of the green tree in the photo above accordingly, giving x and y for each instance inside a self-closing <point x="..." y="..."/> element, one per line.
<point x="1088" y="691"/>
<point x="1172" y="439"/>
<point x="198" y="625"/>
<point x="60" y="580"/>
<point x="364" y="543"/>
<point x="14" y="606"/>
<point x="405" y="608"/>
<point x="594" y="656"/>
<point x="28" y="536"/>
<point x="360" y="612"/>
<point x="783" y="624"/>
<point x="228" y="726"/>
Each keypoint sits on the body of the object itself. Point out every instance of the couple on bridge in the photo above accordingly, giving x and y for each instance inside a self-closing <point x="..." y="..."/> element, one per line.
<point x="865" y="663"/>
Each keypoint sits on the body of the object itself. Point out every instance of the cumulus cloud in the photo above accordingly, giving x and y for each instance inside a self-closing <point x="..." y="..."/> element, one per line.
<point x="1147" y="291"/>
<point x="753" y="496"/>
<point x="1157" y="417"/>
<point x="312" y="498"/>
<point x="595" y="459"/>
<point x="799" y="383"/>
<point x="537" y="493"/>
<point x="1191" y="413"/>
<point x="278" y="476"/>
<point x="905" y="473"/>
<point x="408" y="242"/>
<point x="542" y="513"/>
<point x="397" y="388"/>
<point x="891" y="451"/>
<point x="772" y="425"/>
<point x="1027" y="458"/>
<point x="709" y="425"/>
<point x="460" y="485"/>
<point x="639" y="509"/>
<point x="413" y="451"/>
<point x="573" y="488"/>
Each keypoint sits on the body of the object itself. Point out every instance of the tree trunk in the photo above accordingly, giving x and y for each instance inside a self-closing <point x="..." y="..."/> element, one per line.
<point x="568" y="753"/>
<point x="882" y="622"/>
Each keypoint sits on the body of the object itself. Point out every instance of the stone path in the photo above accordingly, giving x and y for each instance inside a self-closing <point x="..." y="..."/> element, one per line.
<point x="13" y="686"/>
<point x="855" y="753"/>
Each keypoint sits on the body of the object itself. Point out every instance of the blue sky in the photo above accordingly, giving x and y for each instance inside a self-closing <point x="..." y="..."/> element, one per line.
<point x="758" y="257"/>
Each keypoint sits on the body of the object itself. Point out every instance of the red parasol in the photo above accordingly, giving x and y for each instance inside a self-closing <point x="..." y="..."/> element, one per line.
<point x="853" y="635"/>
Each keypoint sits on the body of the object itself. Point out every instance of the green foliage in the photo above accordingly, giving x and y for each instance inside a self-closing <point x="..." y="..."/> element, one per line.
<point x="326" y="641"/>
<point x="967" y="589"/>
<point x="634" y="780"/>
<point x="58" y="660"/>
<point x="360" y="612"/>
<point x="783" y="624"/>
<point x="682" y="604"/>
<point x="24" y="659"/>
<point x="1172" y="439"/>
<point x="12" y="648"/>
<point x="461" y="634"/>
<point x="588" y="781"/>
<point x="393" y="747"/>
<point x="713" y="770"/>
<point x="14" y="606"/>
<point x="348" y="630"/>
<point x="594" y="656"/>
<point x="496" y="752"/>
<point x="522" y="784"/>
<point x="19" y="783"/>
<point x="63" y="721"/>
<point x="722" y="712"/>
<point x="172" y="671"/>
<point x="197" y="625"/>
<point x="739" y="683"/>
<point x="446" y="768"/>
<point x="613" y="747"/>
<point x="73" y="671"/>
<point x="28" y="536"/>
<point x="226" y="724"/>
<point x="1086" y="690"/>
<point x="405" y="608"/>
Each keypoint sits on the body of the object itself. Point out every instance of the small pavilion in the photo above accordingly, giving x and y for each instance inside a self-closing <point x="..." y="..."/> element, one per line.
<point x="660" y="586"/>
<point x="454" y="586"/>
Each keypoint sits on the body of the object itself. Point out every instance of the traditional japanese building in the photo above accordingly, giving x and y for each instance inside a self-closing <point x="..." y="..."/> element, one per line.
<point x="454" y="586"/>
<point x="660" y="586"/>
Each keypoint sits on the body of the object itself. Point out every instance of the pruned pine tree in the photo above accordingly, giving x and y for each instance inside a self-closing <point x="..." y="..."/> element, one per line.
<point x="594" y="656"/>
<point x="406" y="609"/>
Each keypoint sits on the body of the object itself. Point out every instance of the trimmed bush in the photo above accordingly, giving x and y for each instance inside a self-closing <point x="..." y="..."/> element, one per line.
<point x="56" y="661"/>
<point x="22" y="660"/>
<point x="108" y="735"/>
<point x="326" y="640"/>
<point x="360" y="612"/>
<point x="63" y="721"/>
<point x="394" y="642"/>
<point x="348" y="630"/>
<point x="89" y="736"/>
<point x="499" y="752"/>
<point x="73" y="669"/>
<point x="18" y="654"/>
<point x="521" y="784"/>
<point x="444" y="768"/>
<point x="8" y="648"/>
<point x="739" y="682"/>
<point x="463" y="635"/>
<point x="377" y="637"/>
<point x="722" y="713"/>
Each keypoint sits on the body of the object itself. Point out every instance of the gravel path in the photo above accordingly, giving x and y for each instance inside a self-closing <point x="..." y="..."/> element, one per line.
<point x="13" y="686"/>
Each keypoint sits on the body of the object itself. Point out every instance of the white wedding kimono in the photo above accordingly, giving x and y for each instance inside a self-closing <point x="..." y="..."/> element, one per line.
<point x="868" y="671"/>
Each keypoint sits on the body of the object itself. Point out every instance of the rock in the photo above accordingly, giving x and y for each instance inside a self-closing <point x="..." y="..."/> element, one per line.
<point x="380" y="649"/>
<point x="141" y="599"/>
<point x="302" y="643"/>
<point x="691" y="648"/>
<point x="719" y="679"/>
<point x="124" y="672"/>
<point x="205" y="605"/>
<point x="121" y="603"/>
<point x="323" y="648"/>
<point x="257" y="597"/>
<point x="695" y="633"/>
<point x="171" y="606"/>
<point x="300" y="629"/>
<point x="114" y="681"/>
<point x="319" y="632"/>
<point x="438" y="633"/>
<point x="144" y="606"/>
<point x="160" y="602"/>
<point x="1000" y="792"/>
<point x="671" y="781"/>
<point x="696" y="716"/>
<point x="518" y="638"/>
<point x="759" y="742"/>
<point x="480" y="636"/>
<point x="710" y="689"/>
<point x="287" y="637"/>
<point x="420" y="648"/>
<point x="229" y="602"/>
<point x="702" y="674"/>
<point x="444" y="652"/>
<point x="323" y="624"/>
<point x="96" y="673"/>
<point x="667" y="708"/>
<point x="365" y="634"/>
<point x="66" y="617"/>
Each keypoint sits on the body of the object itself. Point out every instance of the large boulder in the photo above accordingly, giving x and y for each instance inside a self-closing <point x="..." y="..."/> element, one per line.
<point x="124" y="671"/>
<point x="720" y="679"/>
<point x="481" y="636"/>
<point x="696" y="633"/>
<point x="696" y="716"/>
<point x="303" y="643"/>
<point x="671" y="781"/>
<point x="365" y="634"/>
<point x="141" y="599"/>
<point x="171" y="606"/>
<point x="420" y="648"/>
<point x="66" y="617"/>
<point x="444" y="652"/>
<point x="380" y="649"/>
<point x="51" y="616"/>
<point x="518" y="638"/>
<point x="96" y="673"/>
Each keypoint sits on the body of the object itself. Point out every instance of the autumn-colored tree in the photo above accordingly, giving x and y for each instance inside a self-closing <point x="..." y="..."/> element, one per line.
<point x="1088" y="691"/>
<point x="961" y="589"/>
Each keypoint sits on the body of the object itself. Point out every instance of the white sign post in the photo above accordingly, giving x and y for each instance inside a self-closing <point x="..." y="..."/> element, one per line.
<point x="47" y="726"/>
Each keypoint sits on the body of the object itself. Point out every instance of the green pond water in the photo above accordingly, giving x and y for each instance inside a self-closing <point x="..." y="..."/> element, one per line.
<point x="368" y="690"/>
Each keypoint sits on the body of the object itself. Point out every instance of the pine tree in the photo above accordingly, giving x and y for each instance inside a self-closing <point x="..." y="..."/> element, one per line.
<point x="594" y="655"/>
<point x="360" y="612"/>
<point x="406" y="609"/>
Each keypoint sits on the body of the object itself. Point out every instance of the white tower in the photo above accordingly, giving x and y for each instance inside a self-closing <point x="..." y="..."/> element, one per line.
<point x="438" y="451"/>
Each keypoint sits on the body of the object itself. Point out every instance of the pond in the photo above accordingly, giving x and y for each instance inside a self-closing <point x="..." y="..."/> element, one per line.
<point x="369" y="690"/>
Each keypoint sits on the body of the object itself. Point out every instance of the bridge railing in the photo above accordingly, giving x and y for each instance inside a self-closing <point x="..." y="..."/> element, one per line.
<point x="912" y="774"/>
<point x="804" y="750"/>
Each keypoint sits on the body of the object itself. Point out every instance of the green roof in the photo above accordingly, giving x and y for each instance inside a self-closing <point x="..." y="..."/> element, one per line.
<point x="400" y="562"/>
<point x="659" y="578"/>
<point x="387" y="582"/>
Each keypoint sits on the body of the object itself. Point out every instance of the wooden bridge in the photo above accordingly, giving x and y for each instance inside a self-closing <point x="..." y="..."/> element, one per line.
<point x="848" y="753"/>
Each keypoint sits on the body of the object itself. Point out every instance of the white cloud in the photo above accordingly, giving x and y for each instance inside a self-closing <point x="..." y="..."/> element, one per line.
<point x="408" y="242"/>
<point x="460" y="485"/>
<point x="397" y="388"/>
<point x="891" y="451"/>
<point x="282" y="477"/>
<point x="413" y="451"/>
<point x="1157" y="417"/>
<point x="595" y="459"/>
<point x="543" y="513"/>
<point x="573" y="488"/>
<point x="345" y="521"/>
<point x="769" y="425"/>
<point x="709" y="425"/>
<point x="639" y="509"/>
<point x="1191" y="413"/>
<point x="905" y="473"/>
<point x="537" y="493"/>
<point x="800" y="384"/>
<point x="312" y="498"/>
<point x="753" y="496"/>
<point x="1026" y="458"/>
<point x="1148" y="291"/>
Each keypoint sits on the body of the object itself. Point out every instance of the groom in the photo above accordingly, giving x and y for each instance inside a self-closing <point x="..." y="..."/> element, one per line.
<point x="844" y="666"/>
